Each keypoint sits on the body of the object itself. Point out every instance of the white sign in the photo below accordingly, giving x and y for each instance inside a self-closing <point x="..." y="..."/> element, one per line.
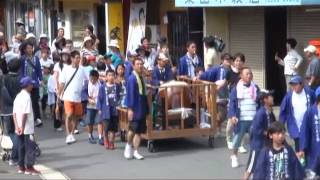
<point x="137" y="25"/>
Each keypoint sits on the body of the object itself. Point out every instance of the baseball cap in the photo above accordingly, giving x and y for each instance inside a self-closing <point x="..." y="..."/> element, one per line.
<point x="311" y="49"/>
<point x="296" y="80"/>
<point x="26" y="81"/>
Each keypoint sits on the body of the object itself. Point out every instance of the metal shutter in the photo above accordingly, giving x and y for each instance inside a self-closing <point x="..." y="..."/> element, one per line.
<point x="303" y="26"/>
<point x="247" y="36"/>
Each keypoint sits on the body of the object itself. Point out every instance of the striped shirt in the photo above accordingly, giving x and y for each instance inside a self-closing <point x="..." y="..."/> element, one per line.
<point x="247" y="105"/>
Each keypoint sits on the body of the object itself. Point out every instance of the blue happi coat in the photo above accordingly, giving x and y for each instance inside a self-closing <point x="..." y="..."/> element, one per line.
<point x="266" y="166"/>
<point x="287" y="114"/>
<point x="310" y="138"/>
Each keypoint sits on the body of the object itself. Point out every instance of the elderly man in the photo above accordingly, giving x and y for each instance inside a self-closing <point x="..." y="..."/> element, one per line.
<point x="313" y="71"/>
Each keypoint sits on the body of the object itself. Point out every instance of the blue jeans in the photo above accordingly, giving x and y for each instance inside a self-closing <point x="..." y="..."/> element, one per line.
<point x="26" y="151"/>
<point x="244" y="127"/>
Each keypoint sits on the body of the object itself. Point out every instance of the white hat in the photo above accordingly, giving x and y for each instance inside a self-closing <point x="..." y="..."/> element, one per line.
<point x="30" y="35"/>
<point x="10" y="55"/>
<point x="19" y="21"/>
<point x="114" y="43"/>
<point x="311" y="49"/>
<point x="43" y="36"/>
<point x="162" y="56"/>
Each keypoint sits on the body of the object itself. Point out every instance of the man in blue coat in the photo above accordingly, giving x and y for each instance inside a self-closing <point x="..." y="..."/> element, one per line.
<point x="219" y="75"/>
<point x="137" y="110"/>
<point x="244" y="101"/>
<point x="161" y="73"/>
<point x="190" y="64"/>
<point x="294" y="106"/>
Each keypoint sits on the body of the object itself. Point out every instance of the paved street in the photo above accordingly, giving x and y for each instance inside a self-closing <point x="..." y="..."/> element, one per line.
<point x="176" y="159"/>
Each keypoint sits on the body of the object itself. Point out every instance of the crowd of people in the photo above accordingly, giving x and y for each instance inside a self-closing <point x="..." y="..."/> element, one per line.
<point x="85" y="87"/>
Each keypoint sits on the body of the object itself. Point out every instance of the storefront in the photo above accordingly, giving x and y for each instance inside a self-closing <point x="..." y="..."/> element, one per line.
<point x="260" y="31"/>
<point x="34" y="14"/>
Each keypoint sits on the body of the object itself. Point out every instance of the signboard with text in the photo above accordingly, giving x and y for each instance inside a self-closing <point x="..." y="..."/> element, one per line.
<point x="235" y="3"/>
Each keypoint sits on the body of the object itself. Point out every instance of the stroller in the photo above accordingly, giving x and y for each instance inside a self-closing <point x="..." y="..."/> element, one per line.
<point x="6" y="143"/>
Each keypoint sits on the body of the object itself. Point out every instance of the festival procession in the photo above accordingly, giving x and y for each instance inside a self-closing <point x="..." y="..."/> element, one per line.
<point x="168" y="89"/>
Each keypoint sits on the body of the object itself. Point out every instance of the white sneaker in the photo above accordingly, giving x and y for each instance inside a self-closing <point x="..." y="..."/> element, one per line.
<point x="128" y="152"/>
<point x="230" y="145"/>
<point x="76" y="131"/>
<point x="137" y="156"/>
<point x="242" y="150"/>
<point x="12" y="163"/>
<point x="68" y="139"/>
<point x="38" y="122"/>
<point x="234" y="161"/>
<point x="59" y="129"/>
<point x="73" y="140"/>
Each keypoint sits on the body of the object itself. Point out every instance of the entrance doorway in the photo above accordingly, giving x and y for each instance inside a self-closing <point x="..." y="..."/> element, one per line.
<point x="101" y="28"/>
<point x="275" y="39"/>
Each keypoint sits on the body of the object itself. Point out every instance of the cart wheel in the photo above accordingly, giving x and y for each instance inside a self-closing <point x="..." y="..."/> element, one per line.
<point x="151" y="147"/>
<point x="37" y="151"/>
<point x="211" y="142"/>
<point x="123" y="136"/>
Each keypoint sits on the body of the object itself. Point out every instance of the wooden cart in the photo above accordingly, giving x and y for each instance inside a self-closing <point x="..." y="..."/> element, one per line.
<point x="195" y="96"/>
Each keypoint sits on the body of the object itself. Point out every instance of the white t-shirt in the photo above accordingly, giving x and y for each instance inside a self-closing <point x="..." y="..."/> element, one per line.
<point x="299" y="104"/>
<point x="93" y="92"/>
<point x="73" y="91"/>
<point x="22" y="105"/>
<point x="46" y="63"/>
<point x="51" y="84"/>
<point x="292" y="60"/>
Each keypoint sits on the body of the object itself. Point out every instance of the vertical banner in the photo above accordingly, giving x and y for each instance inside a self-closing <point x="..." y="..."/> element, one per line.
<point x="137" y="25"/>
<point x="115" y="23"/>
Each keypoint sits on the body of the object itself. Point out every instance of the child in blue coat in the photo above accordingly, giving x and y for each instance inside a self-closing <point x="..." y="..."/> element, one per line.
<point x="108" y="100"/>
<point x="277" y="160"/>
<point x="258" y="133"/>
<point x="310" y="137"/>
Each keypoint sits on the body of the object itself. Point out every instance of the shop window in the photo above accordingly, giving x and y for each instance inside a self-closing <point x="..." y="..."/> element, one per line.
<point x="79" y="18"/>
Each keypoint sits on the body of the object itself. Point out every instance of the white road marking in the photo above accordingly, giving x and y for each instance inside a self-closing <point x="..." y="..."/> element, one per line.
<point x="50" y="174"/>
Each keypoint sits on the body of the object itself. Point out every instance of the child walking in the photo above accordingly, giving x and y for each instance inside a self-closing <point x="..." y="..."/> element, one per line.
<point x="258" y="134"/>
<point x="277" y="160"/>
<point x="109" y="99"/>
<point x="24" y="127"/>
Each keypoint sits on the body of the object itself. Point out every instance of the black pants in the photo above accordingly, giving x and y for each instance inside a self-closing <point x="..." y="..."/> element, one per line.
<point x="26" y="151"/>
<point x="35" y="103"/>
<point x="57" y="118"/>
<point x="44" y="101"/>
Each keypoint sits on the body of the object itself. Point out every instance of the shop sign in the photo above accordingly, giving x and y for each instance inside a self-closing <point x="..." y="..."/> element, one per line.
<point x="239" y="3"/>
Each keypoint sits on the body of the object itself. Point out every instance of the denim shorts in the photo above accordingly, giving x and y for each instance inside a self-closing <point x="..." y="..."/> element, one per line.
<point x="92" y="117"/>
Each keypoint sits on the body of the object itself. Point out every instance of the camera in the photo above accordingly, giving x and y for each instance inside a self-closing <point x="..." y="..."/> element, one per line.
<point x="214" y="42"/>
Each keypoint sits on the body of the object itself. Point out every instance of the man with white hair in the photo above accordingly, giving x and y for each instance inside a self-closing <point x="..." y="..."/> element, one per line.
<point x="313" y="71"/>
